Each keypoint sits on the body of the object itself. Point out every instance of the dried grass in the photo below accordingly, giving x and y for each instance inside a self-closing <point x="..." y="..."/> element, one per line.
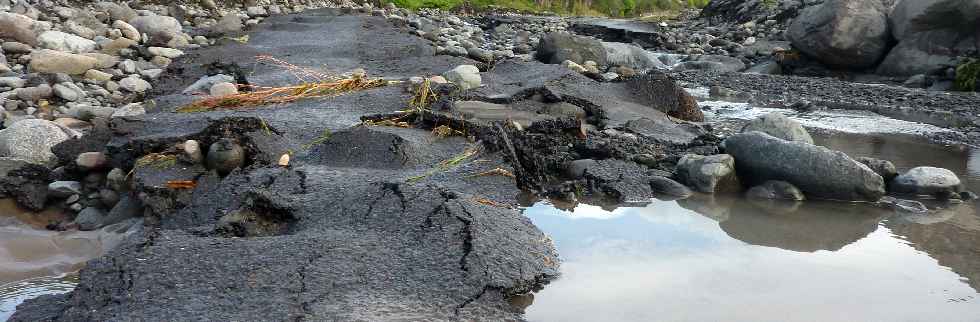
<point x="313" y="84"/>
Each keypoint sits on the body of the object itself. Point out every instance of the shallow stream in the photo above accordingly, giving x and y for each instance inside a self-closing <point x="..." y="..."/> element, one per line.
<point x="35" y="261"/>
<point x="716" y="258"/>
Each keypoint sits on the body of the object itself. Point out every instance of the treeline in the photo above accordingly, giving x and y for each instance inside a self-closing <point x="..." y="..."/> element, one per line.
<point x="612" y="8"/>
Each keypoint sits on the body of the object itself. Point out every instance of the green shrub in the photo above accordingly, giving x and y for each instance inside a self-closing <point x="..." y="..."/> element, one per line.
<point x="966" y="75"/>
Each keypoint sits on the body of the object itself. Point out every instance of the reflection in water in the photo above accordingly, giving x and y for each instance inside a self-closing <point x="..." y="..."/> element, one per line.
<point x="35" y="261"/>
<point x="744" y="262"/>
<point x="907" y="153"/>
<point x="12" y="294"/>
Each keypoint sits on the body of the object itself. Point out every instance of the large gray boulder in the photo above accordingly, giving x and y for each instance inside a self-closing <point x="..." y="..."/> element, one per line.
<point x="819" y="172"/>
<point x="912" y="16"/>
<point x="931" y="35"/>
<point x="780" y="126"/>
<point x="31" y="140"/>
<point x="842" y="33"/>
<point x="926" y="52"/>
<point x="927" y="181"/>
<point x="557" y="47"/>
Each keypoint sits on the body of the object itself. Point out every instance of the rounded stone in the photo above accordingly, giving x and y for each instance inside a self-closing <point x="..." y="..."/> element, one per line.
<point x="225" y="155"/>
<point x="927" y="181"/>
<point x="223" y="89"/>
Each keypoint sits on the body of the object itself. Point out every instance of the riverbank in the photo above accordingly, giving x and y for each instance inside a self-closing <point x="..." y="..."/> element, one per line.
<point x="336" y="204"/>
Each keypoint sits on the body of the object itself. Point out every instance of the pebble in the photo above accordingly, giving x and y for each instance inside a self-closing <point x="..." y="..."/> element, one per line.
<point x="225" y="155"/>
<point x="223" y="89"/>
<point x="134" y="84"/>
<point x="89" y="161"/>
<point x="192" y="149"/>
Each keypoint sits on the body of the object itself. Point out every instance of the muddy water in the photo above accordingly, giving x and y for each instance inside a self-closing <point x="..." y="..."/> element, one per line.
<point x="35" y="261"/>
<point x="728" y="259"/>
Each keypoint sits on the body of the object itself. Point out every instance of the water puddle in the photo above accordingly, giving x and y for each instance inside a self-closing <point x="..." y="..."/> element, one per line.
<point x="12" y="294"/>
<point x="714" y="258"/>
<point x="833" y="120"/>
<point x="35" y="261"/>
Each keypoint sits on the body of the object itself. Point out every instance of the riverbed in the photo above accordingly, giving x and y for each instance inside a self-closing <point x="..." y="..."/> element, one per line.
<point x="716" y="258"/>
<point x="35" y="261"/>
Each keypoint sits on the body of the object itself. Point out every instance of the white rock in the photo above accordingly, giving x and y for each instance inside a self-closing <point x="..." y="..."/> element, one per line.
<point x="134" y="84"/>
<point x="464" y="76"/>
<point x="223" y="89"/>
<point x="61" y="41"/>
<point x="165" y="52"/>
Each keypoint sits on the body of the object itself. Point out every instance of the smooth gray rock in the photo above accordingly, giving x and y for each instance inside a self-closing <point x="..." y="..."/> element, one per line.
<point x="708" y="174"/>
<point x="883" y="168"/>
<point x="12" y="82"/>
<point x="53" y="61"/>
<point x="126" y="207"/>
<point x="90" y="218"/>
<point x="842" y="33"/>
<point x="718" y="63"/>
<point x="64" y="189"/>
<point x="31" y="140"/>
<point x="224" y="156"/>
<point x="576" y="169"/>
<point x="33" y="94"/>
<point x="555" y="48"/>
<point x="117" y="180"/>
<point x="89" y="161"/>
<point x="632" y="56"/>
<point x="665" y="187"/>
<point x="780" y="126"/>
<point x="774" y="189"/>
<point x="160" y="30"/>
<point x="17" y="27"/>
<point x="480" y="54"/>
<point x="819" y="172"/>
<point x="69" y="91"/>
<point x="911" y="16"/>
<point x="117" y="11"/>
<point x="134" y="84"/>
<point x="927" y="181"/>
<point x="926" y="52"/>
<point x="204" y="84"/>
<point x="229" y="24"/>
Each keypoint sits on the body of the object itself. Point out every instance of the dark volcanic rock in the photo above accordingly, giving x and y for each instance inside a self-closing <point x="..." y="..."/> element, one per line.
<point x="555" y="48"/>
<point x="372" y="222"/>
<point x="665" y="95"/>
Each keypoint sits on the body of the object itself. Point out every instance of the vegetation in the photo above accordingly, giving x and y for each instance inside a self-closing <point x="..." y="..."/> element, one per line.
<point x="613" y="8"/>
<point x="966" y="75"/>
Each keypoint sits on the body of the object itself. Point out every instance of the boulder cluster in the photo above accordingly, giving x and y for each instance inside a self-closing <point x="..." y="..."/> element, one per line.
<point x="918" y="39"/>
